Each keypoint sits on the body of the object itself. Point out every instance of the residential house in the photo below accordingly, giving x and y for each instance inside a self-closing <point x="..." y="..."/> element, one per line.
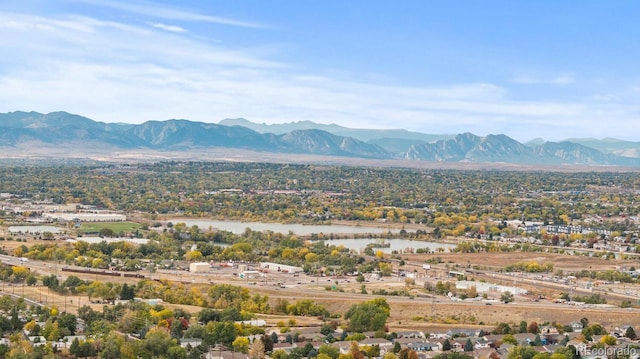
<point x="482" y="343"/>
<point x="422" y="346"/>
<point x="410" y="334"/>
<point x="384" y="344"/>
<point x="548" y="329"/>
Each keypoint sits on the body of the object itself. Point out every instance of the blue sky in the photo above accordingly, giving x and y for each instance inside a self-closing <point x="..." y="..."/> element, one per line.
<point x="550" y="69"/>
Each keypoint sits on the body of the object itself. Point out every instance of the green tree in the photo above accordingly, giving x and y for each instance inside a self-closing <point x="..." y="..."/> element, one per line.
<point x="506" y="297"/>
<point x="127" y="292"/>
<point x="509" y="339"/>
<point x="468" y="345"/>
<point x="368" y="316"/>
<point x="523" y="327"/>
<point x="521" y="352"/>
<point x="446" y="345"/>
<point x="177" y="352"/>
<point x="570" y="352"/>
<point x="329" y="350"/>
<point x="155" y="344"/>
<point x="111" y="348"/>
<point x="630" y="333"/>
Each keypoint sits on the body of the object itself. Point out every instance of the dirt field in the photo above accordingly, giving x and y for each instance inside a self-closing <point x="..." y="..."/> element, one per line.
<point x="565" y="262"/>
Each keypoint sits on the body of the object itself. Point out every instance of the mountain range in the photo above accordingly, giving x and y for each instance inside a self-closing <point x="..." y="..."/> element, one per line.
<point x="64" y="130"/>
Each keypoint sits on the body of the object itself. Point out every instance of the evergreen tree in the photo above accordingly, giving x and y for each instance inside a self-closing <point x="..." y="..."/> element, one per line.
<point x="523" y="327"/>
<point x="468" y="345"/>
<point x="446" y="345"/>
<point x="397" y="347"/>
<point x="267" y="341"/>
<point x="127" y="292"/>
<point x="537" y="341"/>
<point x="630" y="333"/>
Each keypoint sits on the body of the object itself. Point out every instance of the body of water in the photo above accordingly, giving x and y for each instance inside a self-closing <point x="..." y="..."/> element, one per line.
<point x="35" y="229"/>
<point x="239" y="227"/>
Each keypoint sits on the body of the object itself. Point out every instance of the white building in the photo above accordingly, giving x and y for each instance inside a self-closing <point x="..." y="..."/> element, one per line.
<point x="199" y="267"/>
<point x="87" y="217"/>
<point x="483" y="287"/>
<point x="283" y="268"/>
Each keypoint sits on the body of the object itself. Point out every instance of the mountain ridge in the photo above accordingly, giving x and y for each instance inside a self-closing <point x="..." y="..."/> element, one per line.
<point x="59" y="129"/>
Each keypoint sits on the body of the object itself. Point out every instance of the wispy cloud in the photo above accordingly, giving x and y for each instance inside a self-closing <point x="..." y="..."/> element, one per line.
<point x="563" y="79"/>
<point x="169" y="13"/>
<point x="170" y="28"/>
<point x="118" y="72"/>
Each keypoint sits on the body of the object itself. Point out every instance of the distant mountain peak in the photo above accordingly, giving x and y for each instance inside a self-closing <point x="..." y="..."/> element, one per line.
<point x="59" y="129"/>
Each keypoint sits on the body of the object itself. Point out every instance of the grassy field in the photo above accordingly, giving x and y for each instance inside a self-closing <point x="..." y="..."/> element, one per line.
<point x="116" y="227"/>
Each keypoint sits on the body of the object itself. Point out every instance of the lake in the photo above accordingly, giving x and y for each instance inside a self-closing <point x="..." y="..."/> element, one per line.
<point x="35" y="229"/>
<point x="239" y="227"/>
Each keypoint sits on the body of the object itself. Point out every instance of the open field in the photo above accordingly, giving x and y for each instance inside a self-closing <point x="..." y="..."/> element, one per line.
<point x="116" y="227"/>
<point x="497" y="260"/>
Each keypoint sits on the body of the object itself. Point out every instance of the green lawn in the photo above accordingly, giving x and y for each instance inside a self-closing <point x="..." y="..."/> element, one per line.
<point x="116" y="227"/>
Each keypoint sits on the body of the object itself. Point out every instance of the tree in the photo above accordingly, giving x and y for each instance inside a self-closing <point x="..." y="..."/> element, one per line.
<point x="68" y="321"/>
<point x="227" y="295"/>
<point x="506" y="297"/>
<point x="176" y="352"/>
<point x="107" y="232"/>
<point x="75" y="347"/>
<point x="280" y="354"/>
<point x="267" y="342"/>
<point x="32" y="280"/>
<point x="368" y="316"/>
<point x="111" y="349"/>
<point x="608" y="340"/>
<point x="502" y="328"/>
<point x="521" y="352"/>
<point x="257" y="350"/>
<point x="468" y="345"/>
<point x="127" y="292"/>
<point x="20" y="273"/>
<point x="207" y="315"/>
<point x="155" y="344"/>
<point x="630" y="333"/>
<point x="570" y="352"/>
<point x="446" y="345"/>
<point x="328" y="350"/>
<point x="509" y="339"/>
<point x="523" y="327"/>
<point x="537" y="341"/>
<point x="220" y="332"/>
<point x="176" y="328"/>
<point x="584" y="321"/>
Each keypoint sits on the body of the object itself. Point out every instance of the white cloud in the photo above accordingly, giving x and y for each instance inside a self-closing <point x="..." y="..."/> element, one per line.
<point x="170" y="28"/>
<point x="562" y="79"/>
<point x="117" y="72"/>
<point x="163" y="12"/>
